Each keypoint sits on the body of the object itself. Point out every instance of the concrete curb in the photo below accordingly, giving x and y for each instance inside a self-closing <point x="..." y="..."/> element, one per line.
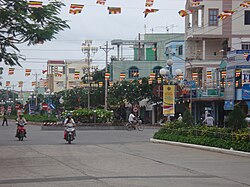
<point x="214" y="149"/>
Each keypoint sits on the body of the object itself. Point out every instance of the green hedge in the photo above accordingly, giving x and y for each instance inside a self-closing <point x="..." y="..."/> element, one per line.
<point x="40" y="118"/>
<point x="92" y="116"/>
<point x="208" y="136"/>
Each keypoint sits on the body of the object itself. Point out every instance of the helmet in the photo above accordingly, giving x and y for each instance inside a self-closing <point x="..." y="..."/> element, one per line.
<point x="68" y="115"/>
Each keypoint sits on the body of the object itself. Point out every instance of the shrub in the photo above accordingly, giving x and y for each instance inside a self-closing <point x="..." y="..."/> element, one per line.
<point x="236" y="119"/>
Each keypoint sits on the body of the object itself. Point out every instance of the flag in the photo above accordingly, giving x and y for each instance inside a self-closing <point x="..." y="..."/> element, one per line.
<point x="7" y="83"/>
<point x="245" y="5"/>
<point x="33" y="83"/>
<point x="107" y="76"/>
<point x="44" y="71"/>
<point x="195" y="4"/>
<point x="114" y="10"/>
<point x="101" y="2"/>
<point x="11" y="71"/>
<point x="159" y="80"/>
<point x="35" y="4"/>
<point x="75" y="8"/>
<point x="184" y="13"/>
<point x="194" y="75"/>
<point x="152" y="76"/>
<point x="77" y="75"/>
<point x="20" y="84"/>
<point x="225" y="14"/>
<point x="110" y="84"/>
<point x="100" y="84"/>
<point x="122" y="76"/>
<point x="27" y="72"/>
<point x="209" y="75"/>
<point x="150" y="81"/>
<point x="147" y="11"/>
<point x="149" y="3"/>
<point x="59" y="74"/>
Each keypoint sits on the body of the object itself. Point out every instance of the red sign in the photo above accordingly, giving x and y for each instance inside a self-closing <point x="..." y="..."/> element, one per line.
<point x="44" y="106"/>
<point x="17" y="106"/>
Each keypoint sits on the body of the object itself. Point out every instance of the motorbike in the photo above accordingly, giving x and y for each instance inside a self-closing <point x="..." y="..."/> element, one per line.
<point x="21" y="131"/>
<point x="70" y="133"/>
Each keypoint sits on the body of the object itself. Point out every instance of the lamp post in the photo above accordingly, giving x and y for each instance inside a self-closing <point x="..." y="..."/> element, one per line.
<point x="167" y="74"/>
<point x="88" y="50"/>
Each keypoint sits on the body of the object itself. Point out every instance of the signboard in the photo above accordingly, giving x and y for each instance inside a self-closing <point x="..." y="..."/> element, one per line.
<point x="168" y="100"/>
<point x="229" y="105"/>
<point x="245" y="76"/>
<point x="44" y="106"/>
<point x="246" y="92"/>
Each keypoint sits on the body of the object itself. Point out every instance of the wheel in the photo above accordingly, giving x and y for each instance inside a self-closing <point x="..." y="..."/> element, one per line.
<point x="140" y="127"/>
<point x="21" y="135"/>
<point x="129" y="127"/>
<point x="69" y="138"/>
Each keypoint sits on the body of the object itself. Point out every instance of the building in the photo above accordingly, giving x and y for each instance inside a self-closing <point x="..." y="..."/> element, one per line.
<point x="208" y="39"/>
<point x="65" y="74"/>
<point x="149" y="55"/>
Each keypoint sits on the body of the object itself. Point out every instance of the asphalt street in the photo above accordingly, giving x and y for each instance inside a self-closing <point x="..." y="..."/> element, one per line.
<point x="114" y="158"/>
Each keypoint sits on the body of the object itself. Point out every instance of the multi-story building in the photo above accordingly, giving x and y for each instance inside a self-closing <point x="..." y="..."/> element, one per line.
<point x="208" y="40"/>
<point x="150" y="55"/>
<point x="65" y="74"/>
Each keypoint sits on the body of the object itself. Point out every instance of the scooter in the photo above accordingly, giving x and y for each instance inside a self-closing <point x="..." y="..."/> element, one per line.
<point x="21" y="131"/>
<point x="70" y="133"/>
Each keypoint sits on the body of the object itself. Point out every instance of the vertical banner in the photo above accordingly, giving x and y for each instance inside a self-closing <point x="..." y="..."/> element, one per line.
<point x="168" y="100"/>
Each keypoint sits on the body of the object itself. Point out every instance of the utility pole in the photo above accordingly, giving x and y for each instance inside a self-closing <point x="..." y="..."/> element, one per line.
<point x="106" y="49"/>
<point x="36" y="89"/>
<point x="88" y="49"/>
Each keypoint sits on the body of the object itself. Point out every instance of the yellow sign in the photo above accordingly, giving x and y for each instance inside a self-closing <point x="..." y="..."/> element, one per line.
<point x="168" y="99"/>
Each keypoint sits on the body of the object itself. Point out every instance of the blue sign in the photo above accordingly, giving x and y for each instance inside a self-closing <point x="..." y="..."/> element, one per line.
<point x="246" y="92"/>
<point x="229" y="105"/>
<point x="52" y="106"/>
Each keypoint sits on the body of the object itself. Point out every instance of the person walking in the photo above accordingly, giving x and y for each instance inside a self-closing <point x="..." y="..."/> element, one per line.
<point x="5" y="120"/>
<point x="209" y="120"/>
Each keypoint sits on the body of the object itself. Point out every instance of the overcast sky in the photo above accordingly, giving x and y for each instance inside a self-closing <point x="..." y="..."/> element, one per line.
<point x="94" y="23"/>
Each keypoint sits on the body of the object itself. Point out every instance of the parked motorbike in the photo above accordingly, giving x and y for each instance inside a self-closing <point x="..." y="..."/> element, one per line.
<point x="21" y="132"/>
<point x="69" y="133"/>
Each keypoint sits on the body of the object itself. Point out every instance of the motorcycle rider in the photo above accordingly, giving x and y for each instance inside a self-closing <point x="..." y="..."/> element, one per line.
<point x="21" y="121"/>
<point x="68" y="123"/>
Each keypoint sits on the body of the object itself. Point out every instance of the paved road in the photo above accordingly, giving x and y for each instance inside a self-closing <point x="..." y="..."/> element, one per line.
<point x="112" y="158"/>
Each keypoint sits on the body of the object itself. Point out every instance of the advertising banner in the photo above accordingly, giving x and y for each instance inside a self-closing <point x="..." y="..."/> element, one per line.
<point x="246" y="92"/>
<point x="168" y="100"/>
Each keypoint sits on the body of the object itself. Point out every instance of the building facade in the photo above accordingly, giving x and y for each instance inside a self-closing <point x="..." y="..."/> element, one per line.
<point x="65" y="74"/>
<point x="210" y="34"/>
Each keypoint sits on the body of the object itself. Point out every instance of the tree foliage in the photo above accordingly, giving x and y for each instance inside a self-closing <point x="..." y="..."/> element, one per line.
<point x="22" y="24"/>
<point x="236" y="119"/>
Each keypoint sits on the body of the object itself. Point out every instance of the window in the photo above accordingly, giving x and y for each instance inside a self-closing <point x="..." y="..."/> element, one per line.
<point x="213" y="17"/>
<point x="71" y="70"/>
<point x="180" y="50"/>
<point x="247" y="17"/>
<point x="245" y="46"/>
<point x="133" y="72"/>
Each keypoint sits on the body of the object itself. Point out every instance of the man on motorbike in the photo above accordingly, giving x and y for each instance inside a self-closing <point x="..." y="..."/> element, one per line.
<point x="20" y="121"/>
<point x="68" y="123"/>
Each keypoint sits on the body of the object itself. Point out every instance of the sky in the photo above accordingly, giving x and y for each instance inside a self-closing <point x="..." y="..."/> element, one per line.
<point x="94" y="23"/>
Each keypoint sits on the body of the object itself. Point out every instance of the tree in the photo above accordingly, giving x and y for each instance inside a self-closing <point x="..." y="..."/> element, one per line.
<point x="20" y="23"/>
<point x="236" y="119"/>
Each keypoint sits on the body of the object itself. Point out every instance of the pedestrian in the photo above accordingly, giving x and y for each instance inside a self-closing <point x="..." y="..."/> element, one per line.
<point x="5" y="119"/>
<point x="209" y="120"/>
<point x="180" y="118"/>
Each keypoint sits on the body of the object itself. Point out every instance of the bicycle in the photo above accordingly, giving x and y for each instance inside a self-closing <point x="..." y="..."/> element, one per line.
<point x="136" y="126"/>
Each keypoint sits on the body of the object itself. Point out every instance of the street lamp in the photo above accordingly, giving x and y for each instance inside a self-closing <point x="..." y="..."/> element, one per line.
<point x="89" y="50"/>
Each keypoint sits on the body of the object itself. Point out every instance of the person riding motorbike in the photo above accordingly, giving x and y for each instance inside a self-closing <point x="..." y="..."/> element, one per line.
<point x="68" y="123"/>
<point x="21" y="122"/>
